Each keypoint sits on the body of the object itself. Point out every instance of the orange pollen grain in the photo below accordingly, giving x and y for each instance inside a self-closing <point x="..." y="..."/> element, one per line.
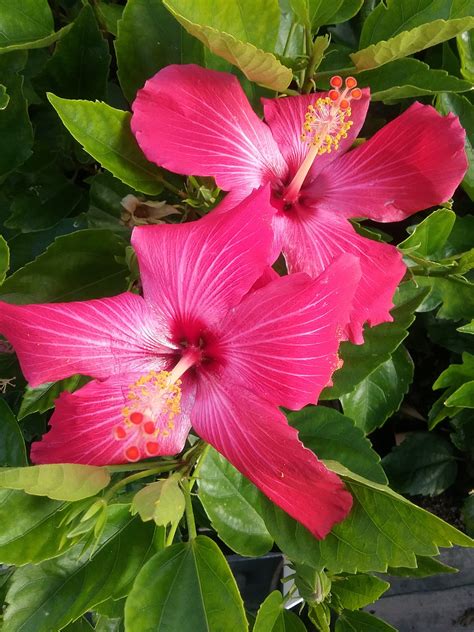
<point x="351" y="82"/>
<point x="136" y="418"/>
<point x="149" y="427"/>
<point x="119" y="433"/>
<point x="336" y="81"/>
<point x="152" y="448"/>
<point x="356" y="93"/>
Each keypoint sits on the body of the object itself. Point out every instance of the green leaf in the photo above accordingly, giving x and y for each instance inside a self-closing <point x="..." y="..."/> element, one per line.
<point x="232" y="503"/>
<point x="358" y="621"/>
<point x="454" y="294"/>
<point x="79" y="66"/>
<point x="272" y="616"/>
<point x="4" y="259"/>
<point x="59" y="481"/>
<point x="376" y="398"/>
<point x="330" y="435"/>
<point x="467" y="329"/>
<point x="31" y="528"/>
<point x="148" y="39"/>
<point x="52" y="594"/>
<point x="465" y="44"/>
<point x="48" y="199"/>
<point x="408" y="78"/>
<point x="463" y="396"/>
<point x="426" y="567"/>
<point x="424" y="463"/>
<point x="464" y="109"/>
<point x="109" y="15"/>
<point x="105" y="134"/>
<point x="15" y="127"/>
<point x="242" y="19"/>
<point x="431" y="234"/>
<point x="162" y="501"/>
<point x="12" y="444"/>
<point x="185" y="587"/>
<point x="468" y="514"/>
<point x="382" y="529"/>
<point x="209" y="26"/>
<point x="43" y="42"/>
<point x="42" y="398"/>
<point x="24" y="21"/>
<point x="356" y="591"/>
<point x="106" y="194"/>
<point x="78" y="266"/>
<point x="396" y="16"/>
<point x="4" y="97"/>
<point x="380" y="342"/>
<point x="402" y="28"/>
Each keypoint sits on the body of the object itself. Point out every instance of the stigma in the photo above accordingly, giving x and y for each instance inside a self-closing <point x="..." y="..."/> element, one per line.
<point x="153" y="403"/>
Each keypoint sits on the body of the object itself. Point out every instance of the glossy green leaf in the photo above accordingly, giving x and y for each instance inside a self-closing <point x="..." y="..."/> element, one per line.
<point x="109" y="14"/>
<point x="464" y="109"/>
<point x="453" y="294"/>
<point x="257" y="65"/>
<point x="52" y="594"/>
<point x="232" y="503"/>
<point x="431" y="234"/>
<point x="382" y="529"/>
<point x="467" y="329"/>
<point x="42" y="398"/>
<point x="396" y="16"/>
<point x="24" y="21"/>
<point x="79" y="66"/>
<point x="426" y="567"/>
<point x="105" y="133"/>
<point x="465" y="41"/>
<point x="4" y="259"/>
<point x="59" y="481"/>
<point x="463" y="396"/>
<point x="357" y="621"/>
<point x="186" y="587"/>
<point x="148" y="39"/>
<point x="162" y="501"/>
<point x="272" y="616"/>
<point x="12" y="444"/>
<point x="424" y="463"/>
<point x="241" y="19"/>
<point x="313" y="585"/>
<point x="356" y="591"/>
<point x="380" y="342"/>
<point x="43" y="42"/>
<point x="78" y="266"/>
<point x="402" y="28"/>
<point x="31" y="528"/>
<point x="15" y="127"/>
<point x="331" y="435"/>
<point x="49" y="198"/>
<point x="4" y="97"/>
<point x="376" y="398"/>
<point x="408" y="78"/>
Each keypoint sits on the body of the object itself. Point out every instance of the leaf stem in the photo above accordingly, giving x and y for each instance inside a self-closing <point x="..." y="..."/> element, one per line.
<point x="187" y="486"/>
<point x="136" y="477"/>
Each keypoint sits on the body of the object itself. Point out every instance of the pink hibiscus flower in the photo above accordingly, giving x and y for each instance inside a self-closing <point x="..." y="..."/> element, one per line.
<point x="196" y="121"/>
<point x="210" y="345"/>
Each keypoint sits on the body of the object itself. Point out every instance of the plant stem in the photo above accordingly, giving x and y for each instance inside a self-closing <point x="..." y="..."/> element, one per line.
<point x="172" y="188"/>
<point x="136" y="477"/>
<point x="189" y="510"/>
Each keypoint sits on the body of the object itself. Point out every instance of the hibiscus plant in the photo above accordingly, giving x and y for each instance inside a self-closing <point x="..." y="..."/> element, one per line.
<point x="236" y="309"/>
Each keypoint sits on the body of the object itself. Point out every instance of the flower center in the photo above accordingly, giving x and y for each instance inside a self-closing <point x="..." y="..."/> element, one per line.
<point x="326" y="122"/>
<point x="153" y="402"/>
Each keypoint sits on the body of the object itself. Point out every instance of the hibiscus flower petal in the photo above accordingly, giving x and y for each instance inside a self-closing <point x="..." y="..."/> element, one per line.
<point x="414" y="162"/>
<point x="256" y="438"/>
<point x="312" y="239"/>
<point x="285" y="117"/>
<point x="281" y="342"/>
<point x="195" y="272"/>
<point x="98" y="338"/>
<point x="190" y="119"/>
<point x="83" y="426"/>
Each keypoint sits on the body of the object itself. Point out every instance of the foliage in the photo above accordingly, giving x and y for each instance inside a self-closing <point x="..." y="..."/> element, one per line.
<point x="126" y="543"/>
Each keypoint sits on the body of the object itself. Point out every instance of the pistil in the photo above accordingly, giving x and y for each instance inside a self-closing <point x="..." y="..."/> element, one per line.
<point x="326" y="122"/>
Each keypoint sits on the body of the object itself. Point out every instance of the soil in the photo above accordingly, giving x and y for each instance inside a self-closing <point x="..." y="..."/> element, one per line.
<point x="445" y="506"/>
